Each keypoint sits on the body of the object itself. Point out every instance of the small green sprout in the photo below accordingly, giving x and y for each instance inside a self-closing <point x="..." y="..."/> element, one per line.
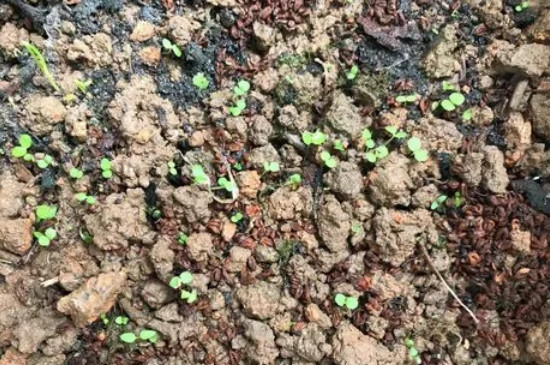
<point x="45" y="212"/>
<point x="356" y="227"/>
<point x="182" y="238"/>
<point x="415" y="146"/>
<point x="316" y="138"/>
<point x="128" y="337"/>
<point x="44" y="162"/>
<point x="171" y="47"/>
<point x="122" y="320"/>
<point x="237" y="217"/>
<point x="521" y="7"/>
<point x="25" y="142"/>
<point x="76" y="173"/>
<point x="377" y="154"/>
<point x="148" y="335"/>
<point x="413" y="352"/>
<point x="184" y="278"/>
<point x="106" y="166"/>
<point x="350" y="303"/>
<point x="447" y="86"/>
<point x="41" y="62"/>
<point x="405" y="99"/>
<point x="85" y="236"/>
<point x="366" y="136"/>
<point x="352" y="73"/>
<point x="294" y="179"/>
<point x="455" y="99"/>
<point x="83" y="85"/>
<point x="44" y="239"/>
<point x="338" y="145"/>
<point x="200" y="81"/>
<point x="190" y="297"/>
<point x="241" y="88"/>
<point x="156" y="214"/>
<point x="104" y="319"/>
<point x="226" y="184"/>
<point x="199" y="177"/>
<point x="328" y="159"/>
<point x="436" y="204"/>
<point x="238" y="166"/>
<point x="467" y="115"/>
<point x="172" y="168"/>
<point x="83" y="197"/>
<point x="457" y="201"/>
<point x="395" y="133"/>
<point x="271" y="167"/>
<point x="238" y="108"/>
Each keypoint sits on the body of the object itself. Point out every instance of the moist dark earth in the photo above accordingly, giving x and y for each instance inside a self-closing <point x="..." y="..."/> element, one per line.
<point x="423" y="200"/>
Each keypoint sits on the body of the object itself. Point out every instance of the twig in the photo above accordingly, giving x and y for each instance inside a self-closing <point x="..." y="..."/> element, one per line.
<point x="50" y="282"/>
<point x="449" y="289"/>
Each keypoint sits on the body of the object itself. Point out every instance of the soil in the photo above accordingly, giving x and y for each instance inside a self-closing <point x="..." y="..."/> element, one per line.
<point x="449" y="252"/>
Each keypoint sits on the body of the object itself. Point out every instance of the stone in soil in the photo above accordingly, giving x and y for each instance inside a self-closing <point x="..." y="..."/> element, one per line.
<point x="262" y="349"/>
<point x="440" y="61"/>
<point x="540" y="31"/>
<point x="343" y="116"/>
<point x="334" y="224"/>
<point x="43" y="113"/>
<point x="193" y="203"/>
<point x="31" y="333"/>
<point x="537" y="344"/>
<point x="390" y="183"/>
<point x="346" y="179"/>
<point x="540" y="109"/>
<point x="351" y="347"/>
<point x="528" y="59"/>
<point x="260" y="300"/>
<point x="200" y="246"/>
<point x="289" y="204"/>
<point x="96" y="296"/>
<point x="16" y="235"/>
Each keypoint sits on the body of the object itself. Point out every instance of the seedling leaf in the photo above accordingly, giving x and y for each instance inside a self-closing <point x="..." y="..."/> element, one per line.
<point x="175" y="282"/>
<point x="128" y="337"/>
<point x="448" y="105"/>
<point x="414" y="144"/>
<point x="340" y="299"/>
<point x="25" y="141"/>
<point x="50" y="233"/>
<point x="457" y="99"/>
<point x="45" y="212"/>
<point x="352" y="303"/>
<point x="186" y="277"/>
<point x="421" y="155"/>
<point x="148" y="335"/>
<point x="18" y="151"/>
<point x="371" y="157"/>
<point x="105" y="164"/>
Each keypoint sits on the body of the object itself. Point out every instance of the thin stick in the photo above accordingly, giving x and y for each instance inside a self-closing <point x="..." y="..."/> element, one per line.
<point x="449" y="289"/>
<point x="50" y="282"/>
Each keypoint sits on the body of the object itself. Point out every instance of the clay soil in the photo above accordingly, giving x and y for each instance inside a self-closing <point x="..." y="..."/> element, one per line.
<point x="284" y="153"/>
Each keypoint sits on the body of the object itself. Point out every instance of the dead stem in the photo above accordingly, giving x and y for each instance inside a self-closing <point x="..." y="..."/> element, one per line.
<point x="447" y="286"/>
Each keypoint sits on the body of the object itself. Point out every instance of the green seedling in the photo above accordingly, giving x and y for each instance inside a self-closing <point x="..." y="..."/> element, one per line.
<point x="83" y="197"/>
<point x="85" y="236"/>
<point x="122" y="320"/>
<point x="148" y="335"/>
<point x="377" y="154"/>
<point x="294" y="179"/>
<point x="25" y="142"/>
<point x="44" y="239"/>
<point x="338" y="145"/>
<point x="156" y="214"/>
<point x="356" y="227"/>
<point x="184" y="278"/>
<point x="366" y="136"/>
<point x="271" y="167"/>
<point x="436" y="204"/>
<point x="171" y="47"/>
<point x="447" y="86"/>
<point x="467" y="115"/>
<point x="41" y="63"/>
<point x="76" y="173"/>
<point x="182" y="238"/>
<point x="128" y="337"/>
<point x="328" y="159"/>
<point x="104" y="319"/>
<point x="226" y="184"/>
<point x="189" y="296"/>
<point x="238" y="108"/>
<point x="237" y="217"/>
<point x="316" y="138"/>
<point x="352" y="73"/>
<point x="44" y="162"/>
<point x="406" y="99"/>
<point x="395" y="133"/>
<point x="83" y="85"/>
<point x="415" y="146"/>
<point x="457" y="201"/>
<point x="350" y="303"/>
<point x="241" y="88"/>
<point x="200" y="81"/>
<point x="172" y="168"/>
<point x="413" y="352"/>
<point x="455" y="100"/>
<point x="199" y="176"/>
<point x="106" y="166"/>
<point x="521" y="7"/>
<point x="238" y="166"/>
<point x="45" y="212"/>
